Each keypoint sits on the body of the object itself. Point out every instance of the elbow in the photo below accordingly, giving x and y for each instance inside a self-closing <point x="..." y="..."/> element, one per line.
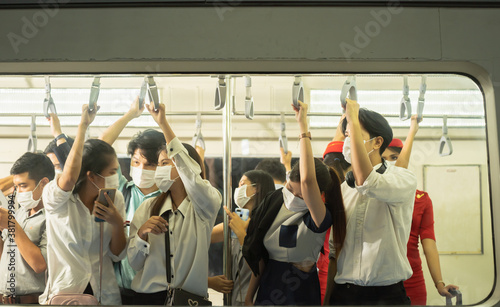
<point x="40" y="267"/>
<point x="307" y="181"/>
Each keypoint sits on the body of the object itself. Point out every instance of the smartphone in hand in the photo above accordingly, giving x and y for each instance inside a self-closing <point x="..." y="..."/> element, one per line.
<point x="102" y="199"/>
<point x="244" y="214"/>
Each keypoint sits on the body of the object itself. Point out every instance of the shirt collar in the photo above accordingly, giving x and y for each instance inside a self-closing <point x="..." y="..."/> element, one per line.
<point x="183" y="207"/>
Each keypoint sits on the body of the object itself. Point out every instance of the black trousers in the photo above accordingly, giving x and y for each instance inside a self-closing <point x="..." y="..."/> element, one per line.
<point x="349" y="294"/>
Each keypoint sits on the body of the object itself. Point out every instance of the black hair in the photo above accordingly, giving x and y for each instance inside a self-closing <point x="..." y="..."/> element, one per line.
<point x="149" y="142"/>
<point x="37" y="165"/>
<point x="53" y="144"/>
<point x="337" y="161"/>
<point x="160" y="199"/>
<point x="96" y="156"/>
<point x="375" y="124"/>
<point x="274" y="168"/>
<point x="264" y="184"/>
<point x="329" y="183"/>
<point x="396" y="149"/>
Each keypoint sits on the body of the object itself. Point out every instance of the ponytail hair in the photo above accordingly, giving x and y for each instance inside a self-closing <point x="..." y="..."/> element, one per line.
<point x="329" y="182"/>
<point x="160" y="199"/>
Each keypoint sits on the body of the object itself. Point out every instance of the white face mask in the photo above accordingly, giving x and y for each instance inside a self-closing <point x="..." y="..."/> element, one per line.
<point x="163" y="178"/>
<point x="292" y="202"/>
<point x="142" y="178"/>
<point x="25" y="199"/>
<point x="111" y="182"/>
<point x="393" y="163"/>
<point x="346" y="149"/>
<point x="240" y="196"/>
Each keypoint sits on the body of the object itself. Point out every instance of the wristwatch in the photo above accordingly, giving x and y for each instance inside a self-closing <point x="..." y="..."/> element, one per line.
<point x="60" y="136"/>
<point x="305" y="135"/>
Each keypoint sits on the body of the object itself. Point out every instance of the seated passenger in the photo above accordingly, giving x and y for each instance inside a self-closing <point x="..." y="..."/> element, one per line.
<point x="170" y="234"/>
<point x="274" y="168"/>
<point x="73" y="246"/>
<point x="372" y="264"/>
<point x="253" y="187"/>
<point x="24" y="238"/>
<point x="288" y="229"/>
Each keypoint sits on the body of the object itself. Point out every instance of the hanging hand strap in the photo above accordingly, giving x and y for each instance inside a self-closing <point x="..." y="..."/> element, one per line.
<point x="421" y="98"/>
<point x="456" y="293"/>
<point x="248" y="98"/>
<point x="349" y="87"/>
<point x="142" y="94"/>
<point x="445" y="140"/>
<point x="297" y="91"/>
<point x="220" y="93"/>
<point x="94" y="93"/>
<point x="48" y="103"/>
<point x="32" y="140"/>
<point x="283" y="139"/>
<point x="198" y="136"/>
<point x="405" y="105"/>
<point x="153" y="92"/>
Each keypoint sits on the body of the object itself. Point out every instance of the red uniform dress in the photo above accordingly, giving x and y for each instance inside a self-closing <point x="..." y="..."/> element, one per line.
<point x="322" y="265"/>
<point x="422" y="225"/>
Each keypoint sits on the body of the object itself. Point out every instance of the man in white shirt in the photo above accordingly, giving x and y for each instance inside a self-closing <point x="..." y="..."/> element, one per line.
<point x="378" y="199"/>
<point x="23" y="249"/>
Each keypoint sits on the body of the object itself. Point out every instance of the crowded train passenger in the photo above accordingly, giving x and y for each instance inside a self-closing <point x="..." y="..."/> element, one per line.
<point x="170" y="234"/>
<point x="73" y="235"/>
<point x="274" y="168"/>
<point x="334" y="158"/>
<point x="378" y="198"/>
<point x="253" y="187"/>
<point x="288" y="229"/>
<point x="24" y="238"/>
<point x="143" y="150"/>
<point x="422" y="227"/>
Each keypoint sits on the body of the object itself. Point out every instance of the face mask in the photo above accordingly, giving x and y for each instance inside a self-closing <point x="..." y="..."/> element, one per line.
<point x="142" y="178"/>
<point x="162" y="178"/>
<point x="346" y="149"/>
<point x="292" y="202"/>
<point x="240" y="196"/>
<point x="111" y="182"/>
<point x="393" y="163"/>
<point x="25" y="199"/>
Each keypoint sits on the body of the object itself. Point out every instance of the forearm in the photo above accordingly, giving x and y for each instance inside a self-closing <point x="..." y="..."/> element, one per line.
<point x="309" y="184"/>
<point x="217" y="233"/>
<point x="6" y="183"/>
<point x="113" y="132"/>
<point x="74" y="161"/>
<point x="361" y="164"/>
<point x="118" y="240"/>
<point x="253" y="285"/>
<point x="29" y="251"/>
<point x="404" y="157"/>
<point x="432" y="257"/>
<point x="167" y="131"/>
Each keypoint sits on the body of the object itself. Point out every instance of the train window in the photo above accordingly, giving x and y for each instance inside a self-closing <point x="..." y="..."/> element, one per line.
<point x="456" y="176"/>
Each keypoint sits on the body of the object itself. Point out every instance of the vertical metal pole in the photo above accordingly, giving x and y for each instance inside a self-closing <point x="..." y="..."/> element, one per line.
<point x="226" y="127"/>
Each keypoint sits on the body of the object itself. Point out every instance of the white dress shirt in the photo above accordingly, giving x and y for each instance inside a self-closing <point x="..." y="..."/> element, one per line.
<point x="379" y="215"/>
<point x="73" y="247"/>
<point x="190" y="227"/>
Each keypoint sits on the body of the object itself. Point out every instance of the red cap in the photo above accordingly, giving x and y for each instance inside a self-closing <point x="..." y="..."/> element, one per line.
<point x="396" y="143"/>
<point x="335" y="146"/>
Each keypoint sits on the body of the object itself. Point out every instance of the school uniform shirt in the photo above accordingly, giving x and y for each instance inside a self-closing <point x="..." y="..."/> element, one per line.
<point x="379" y="215"/>
<point x="190" y="228"/>
<point x="294" y="237"/>
<point x="124" y="272"/>
<point x="25" y="280"/>
<point x="73" y="247"/>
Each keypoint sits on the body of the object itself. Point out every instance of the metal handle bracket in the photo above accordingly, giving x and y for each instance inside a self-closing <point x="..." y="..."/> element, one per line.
<point x="94" y="93"/>
<point x="297" y="91"/>
<point x="220" y="93"/>
<point x="283" y="139"/>
<point x="349" y="87"/>
<point x="153" y="92"/>
<point x="445" y="140"/>
<point x="405" y="105"/>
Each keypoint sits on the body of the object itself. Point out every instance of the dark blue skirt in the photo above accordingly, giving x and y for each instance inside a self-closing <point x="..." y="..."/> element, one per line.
<point x="284" y="284"/>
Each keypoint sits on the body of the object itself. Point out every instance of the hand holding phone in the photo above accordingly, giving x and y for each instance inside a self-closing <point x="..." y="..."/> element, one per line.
<point x="104" y="201"/>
